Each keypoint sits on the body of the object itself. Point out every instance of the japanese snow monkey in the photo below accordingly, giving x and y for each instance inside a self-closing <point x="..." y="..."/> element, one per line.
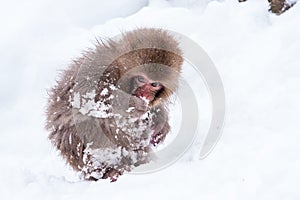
<point x="108" y="109"/>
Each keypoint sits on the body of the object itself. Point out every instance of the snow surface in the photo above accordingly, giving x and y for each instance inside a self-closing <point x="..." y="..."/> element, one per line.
<point x="256" y="53"/>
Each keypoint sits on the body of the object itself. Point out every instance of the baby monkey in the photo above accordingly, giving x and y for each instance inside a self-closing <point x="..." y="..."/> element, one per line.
<point x="109" y="108"/>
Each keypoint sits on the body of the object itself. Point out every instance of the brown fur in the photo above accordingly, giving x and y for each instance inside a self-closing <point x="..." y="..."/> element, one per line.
<point x="280" y="6"/>
<point x="113" y="63"/>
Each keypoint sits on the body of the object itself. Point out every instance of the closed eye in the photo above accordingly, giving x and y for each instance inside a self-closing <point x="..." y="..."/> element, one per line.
<point x="141" y="79"/>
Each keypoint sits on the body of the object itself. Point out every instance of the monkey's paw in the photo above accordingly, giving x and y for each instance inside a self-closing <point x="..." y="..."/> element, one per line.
<point x="157" y="138"/>
<point x="112" y="174"/>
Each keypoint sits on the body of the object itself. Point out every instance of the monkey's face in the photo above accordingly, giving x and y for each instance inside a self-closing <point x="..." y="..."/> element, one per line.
<point x="154" y="83"/>
<point x="145" y="88"/>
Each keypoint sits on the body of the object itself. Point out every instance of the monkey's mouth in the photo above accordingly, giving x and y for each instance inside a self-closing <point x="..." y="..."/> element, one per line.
<point x="145" y="97"/>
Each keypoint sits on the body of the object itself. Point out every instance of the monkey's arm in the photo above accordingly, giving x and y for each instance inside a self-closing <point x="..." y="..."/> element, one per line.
<point x="161" y="125"/>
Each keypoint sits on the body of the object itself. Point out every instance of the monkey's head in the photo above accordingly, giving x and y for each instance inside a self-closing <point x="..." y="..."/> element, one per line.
<point x="153" y="82"/>
<point x="150" y="67"/>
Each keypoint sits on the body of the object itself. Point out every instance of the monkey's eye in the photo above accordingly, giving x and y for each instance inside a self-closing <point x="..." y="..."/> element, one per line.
<point x="141" y="79"/>
<point x="155" y="84"/>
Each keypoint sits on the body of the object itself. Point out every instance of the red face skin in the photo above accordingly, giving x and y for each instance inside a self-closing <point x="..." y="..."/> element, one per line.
<point x="146" y="88"/>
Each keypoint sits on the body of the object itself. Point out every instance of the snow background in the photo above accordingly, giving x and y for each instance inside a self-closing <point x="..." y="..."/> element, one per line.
<point x="256" y="53"/>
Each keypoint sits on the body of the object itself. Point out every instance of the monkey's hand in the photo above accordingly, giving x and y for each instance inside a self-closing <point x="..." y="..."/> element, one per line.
<point x="138" y="105"/>
<point x="112" y="174"/>
<point x="126" y="104"/>
<point x="160" y="125"/>
<point x="159" y="135"/>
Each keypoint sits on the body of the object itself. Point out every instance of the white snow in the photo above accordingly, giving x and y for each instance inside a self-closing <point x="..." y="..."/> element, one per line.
<point x="87" y="106"/>
<point x="130" y="109"/>
<point x="256" y="53"/>
<point x="104" y="92"/>
<point x="75" y="101"/>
